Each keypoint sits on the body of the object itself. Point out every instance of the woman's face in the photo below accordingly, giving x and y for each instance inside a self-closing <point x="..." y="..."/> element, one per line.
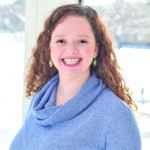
<point x="73" y="46"/>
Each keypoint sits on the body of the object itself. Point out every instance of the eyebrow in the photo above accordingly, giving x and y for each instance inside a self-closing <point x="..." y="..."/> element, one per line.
<point x="59" y="35"/>
<point x="84" y="36"/>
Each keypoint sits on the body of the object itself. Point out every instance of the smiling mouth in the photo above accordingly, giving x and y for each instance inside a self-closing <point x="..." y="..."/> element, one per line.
<point x="71" y="61"/>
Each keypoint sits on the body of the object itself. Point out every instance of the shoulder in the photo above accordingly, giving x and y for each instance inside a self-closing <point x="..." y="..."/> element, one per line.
<point x="107" y="102"/>
<point x="108" y="108"/>
<point x="120" y="129"/>
<point x="111" y="104"/>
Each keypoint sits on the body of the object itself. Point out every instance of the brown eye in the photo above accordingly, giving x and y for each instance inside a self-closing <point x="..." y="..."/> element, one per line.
<point x="82" y="41"/>
<point x="60" y="41"/>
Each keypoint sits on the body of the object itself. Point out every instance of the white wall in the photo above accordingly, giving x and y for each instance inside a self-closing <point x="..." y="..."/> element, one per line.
<point x="36" y="13"/>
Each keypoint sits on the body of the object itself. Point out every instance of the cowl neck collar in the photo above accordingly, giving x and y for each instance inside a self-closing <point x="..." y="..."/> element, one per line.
<point x="46" y="113"/>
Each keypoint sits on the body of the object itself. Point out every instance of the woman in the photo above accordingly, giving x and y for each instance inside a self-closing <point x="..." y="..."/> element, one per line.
<point x="80" y="99"/>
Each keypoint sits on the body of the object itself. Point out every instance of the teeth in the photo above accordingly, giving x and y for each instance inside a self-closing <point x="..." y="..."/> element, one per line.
<point x="71" y="61"/>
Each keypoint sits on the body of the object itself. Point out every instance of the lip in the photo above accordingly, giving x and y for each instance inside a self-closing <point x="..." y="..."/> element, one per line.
<point x="71" y="65"/>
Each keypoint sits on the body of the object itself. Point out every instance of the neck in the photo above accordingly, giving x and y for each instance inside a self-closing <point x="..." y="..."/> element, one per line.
<point x="69" y="87"/>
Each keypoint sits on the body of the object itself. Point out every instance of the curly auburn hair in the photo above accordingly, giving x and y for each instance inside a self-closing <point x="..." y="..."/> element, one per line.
<point x="107" y="68"/>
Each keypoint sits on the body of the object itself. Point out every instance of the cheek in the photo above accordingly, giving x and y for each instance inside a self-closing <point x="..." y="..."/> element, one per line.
<point x="55" y="55"/>
<point x="53" y="51"/>
<point x="89" y="52"/>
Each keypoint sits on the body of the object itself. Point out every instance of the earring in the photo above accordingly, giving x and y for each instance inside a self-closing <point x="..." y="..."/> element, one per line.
<point x="94" y="62"/>
<point x="50" y="64"/>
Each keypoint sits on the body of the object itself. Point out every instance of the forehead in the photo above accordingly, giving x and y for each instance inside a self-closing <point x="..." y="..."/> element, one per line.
<point x="73" y="24"/>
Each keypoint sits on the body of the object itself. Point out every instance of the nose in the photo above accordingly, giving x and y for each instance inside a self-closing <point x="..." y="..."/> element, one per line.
<point x="71" y="48"/>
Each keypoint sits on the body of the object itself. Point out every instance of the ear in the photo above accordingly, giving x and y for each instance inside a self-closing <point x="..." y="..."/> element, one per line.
<point x="96" y="50"/>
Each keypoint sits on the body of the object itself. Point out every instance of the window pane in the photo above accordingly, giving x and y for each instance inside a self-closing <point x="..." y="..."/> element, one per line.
<point x="12" y="22"/>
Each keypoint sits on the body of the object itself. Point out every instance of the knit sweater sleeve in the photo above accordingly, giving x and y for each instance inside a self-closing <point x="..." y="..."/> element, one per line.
<point x="17" y="143"/>
<point x="123" y="133"/>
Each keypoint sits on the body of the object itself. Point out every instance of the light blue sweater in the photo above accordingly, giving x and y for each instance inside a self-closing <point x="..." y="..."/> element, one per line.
<point x="94" y="119"/>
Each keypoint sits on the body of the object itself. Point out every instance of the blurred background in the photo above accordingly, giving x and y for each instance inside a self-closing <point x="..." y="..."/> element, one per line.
<point x="129" y="24"/>
<point x="12" y="31"/>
